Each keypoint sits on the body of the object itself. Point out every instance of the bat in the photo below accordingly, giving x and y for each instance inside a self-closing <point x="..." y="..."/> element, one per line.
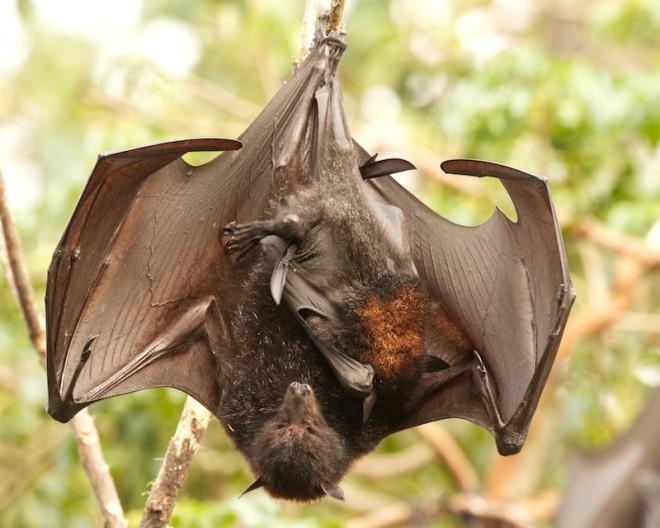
<point x="620" y="484"/>
<point x="303" y="296"/>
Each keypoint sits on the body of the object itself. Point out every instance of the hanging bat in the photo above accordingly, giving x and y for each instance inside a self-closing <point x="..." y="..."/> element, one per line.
<point x="303" y="296"/>
<point x="620" y="484"/>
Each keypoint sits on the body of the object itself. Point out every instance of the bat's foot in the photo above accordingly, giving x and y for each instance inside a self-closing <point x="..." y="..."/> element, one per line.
<point x="245" y="237"/>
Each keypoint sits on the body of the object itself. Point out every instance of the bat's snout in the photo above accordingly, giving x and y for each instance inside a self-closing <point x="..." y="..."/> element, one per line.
<point x="299" y="390"/>
<point x="299" y="403"/>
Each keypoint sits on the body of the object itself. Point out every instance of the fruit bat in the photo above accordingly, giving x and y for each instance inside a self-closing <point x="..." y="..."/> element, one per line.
<point x="620" y="484"/>
<point x="303" y="296"/>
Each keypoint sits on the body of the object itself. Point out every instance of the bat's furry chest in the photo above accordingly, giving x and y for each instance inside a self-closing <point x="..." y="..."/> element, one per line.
<point x="380" y="322"/>
<point x="388" y="333"/>
<point x="377" y="292"/>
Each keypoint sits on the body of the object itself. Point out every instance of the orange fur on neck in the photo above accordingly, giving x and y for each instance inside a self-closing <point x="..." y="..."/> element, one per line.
<point x="393" y="333"/>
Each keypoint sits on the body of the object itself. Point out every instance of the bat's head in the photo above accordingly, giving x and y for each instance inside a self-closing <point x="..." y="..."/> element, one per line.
<point x="297" y="455"/>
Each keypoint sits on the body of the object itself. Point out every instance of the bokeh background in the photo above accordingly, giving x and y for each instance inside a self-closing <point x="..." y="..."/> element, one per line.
<point x="569" y="90"/>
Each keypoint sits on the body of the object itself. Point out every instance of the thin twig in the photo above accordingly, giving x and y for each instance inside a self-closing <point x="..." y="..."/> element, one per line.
<point x="83" y="427"/>
<point x="378" y="466"/>
<point x="453" y="457"/>
<point x="475" y="506"/>
<point x="174" y="470"/>
<point x="18" y="277"/>
<point x="639" y="322"/>
<point x="335" y="16"/>
<point x="308" y="28"/>
<point x="98" y="472"/>
<point x="613" y="240"/>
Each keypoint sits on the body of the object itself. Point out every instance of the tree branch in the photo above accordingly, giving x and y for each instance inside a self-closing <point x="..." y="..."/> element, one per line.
<point x="308" y="28"/>
<point x="335" y="16"/>
<point x="379" y="466"/>
<point x="83" y="427"/>
<point x="610" y="239"/>
<point x="451" y="455"/>
<point x="18" y="277"/>
<point x="474" y="506"/>
<point x="174" y="470"/>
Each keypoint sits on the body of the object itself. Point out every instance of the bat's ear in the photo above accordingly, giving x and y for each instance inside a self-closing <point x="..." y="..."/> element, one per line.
<point x="373" y="169"/>
<point x="255" y="485"/>
<point x="333" y="491"/>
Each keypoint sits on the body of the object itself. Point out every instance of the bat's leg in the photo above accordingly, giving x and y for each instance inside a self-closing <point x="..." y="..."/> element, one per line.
<point x="483" y="382"/>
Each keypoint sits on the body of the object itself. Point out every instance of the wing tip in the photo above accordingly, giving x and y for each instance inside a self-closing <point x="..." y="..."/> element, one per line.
<point x="62" y="411"/>
<point x="510" y="442"/>
<point x="481" y="168"/>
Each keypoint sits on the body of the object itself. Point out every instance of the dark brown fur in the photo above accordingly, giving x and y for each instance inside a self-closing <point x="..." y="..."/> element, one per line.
<point x="299" y="455"/>
<point x="383" y="320"/>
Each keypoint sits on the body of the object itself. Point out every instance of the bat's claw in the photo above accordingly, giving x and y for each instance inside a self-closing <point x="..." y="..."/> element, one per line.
<point x="229" y="228"/>
<point x="243" y="238"/>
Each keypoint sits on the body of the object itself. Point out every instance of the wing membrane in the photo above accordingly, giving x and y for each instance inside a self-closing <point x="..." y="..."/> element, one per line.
<point x="134" y="280"/>
<point x="507" y="287"/>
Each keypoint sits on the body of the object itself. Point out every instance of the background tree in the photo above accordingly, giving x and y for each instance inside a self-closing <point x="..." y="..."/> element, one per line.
<point x="568" y="91"/>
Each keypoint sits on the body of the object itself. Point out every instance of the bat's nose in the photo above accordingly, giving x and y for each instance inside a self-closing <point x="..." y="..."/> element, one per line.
<point x="300" y="389"/>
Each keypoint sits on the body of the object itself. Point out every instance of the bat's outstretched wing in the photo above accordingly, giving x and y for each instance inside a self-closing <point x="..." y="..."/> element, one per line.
<point x="504" y="287"/>
<point x="140" y="289"/>
<point x="128" y="270"/>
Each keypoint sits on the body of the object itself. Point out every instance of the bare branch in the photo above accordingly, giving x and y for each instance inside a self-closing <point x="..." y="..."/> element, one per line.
<point x="613" y="240"/>
<point x="335" y="15"/>
<point x="18" y="277"/>
<point x="83" y="427"/>
<point x="451" y="455"/>
<point x="379" y="466"/>
<point x="640" y="322"/>
<point x="98" y="472"/>
<point x="475" y="506"/>
<point x="174" y="470"/>
<point x="308" y="27"/>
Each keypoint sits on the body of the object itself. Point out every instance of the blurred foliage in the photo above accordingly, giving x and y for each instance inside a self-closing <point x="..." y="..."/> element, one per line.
<point x="570" y="91"/>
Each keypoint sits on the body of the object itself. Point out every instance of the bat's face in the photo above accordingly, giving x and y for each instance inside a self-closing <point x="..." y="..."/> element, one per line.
<point x="296" y="454"/>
